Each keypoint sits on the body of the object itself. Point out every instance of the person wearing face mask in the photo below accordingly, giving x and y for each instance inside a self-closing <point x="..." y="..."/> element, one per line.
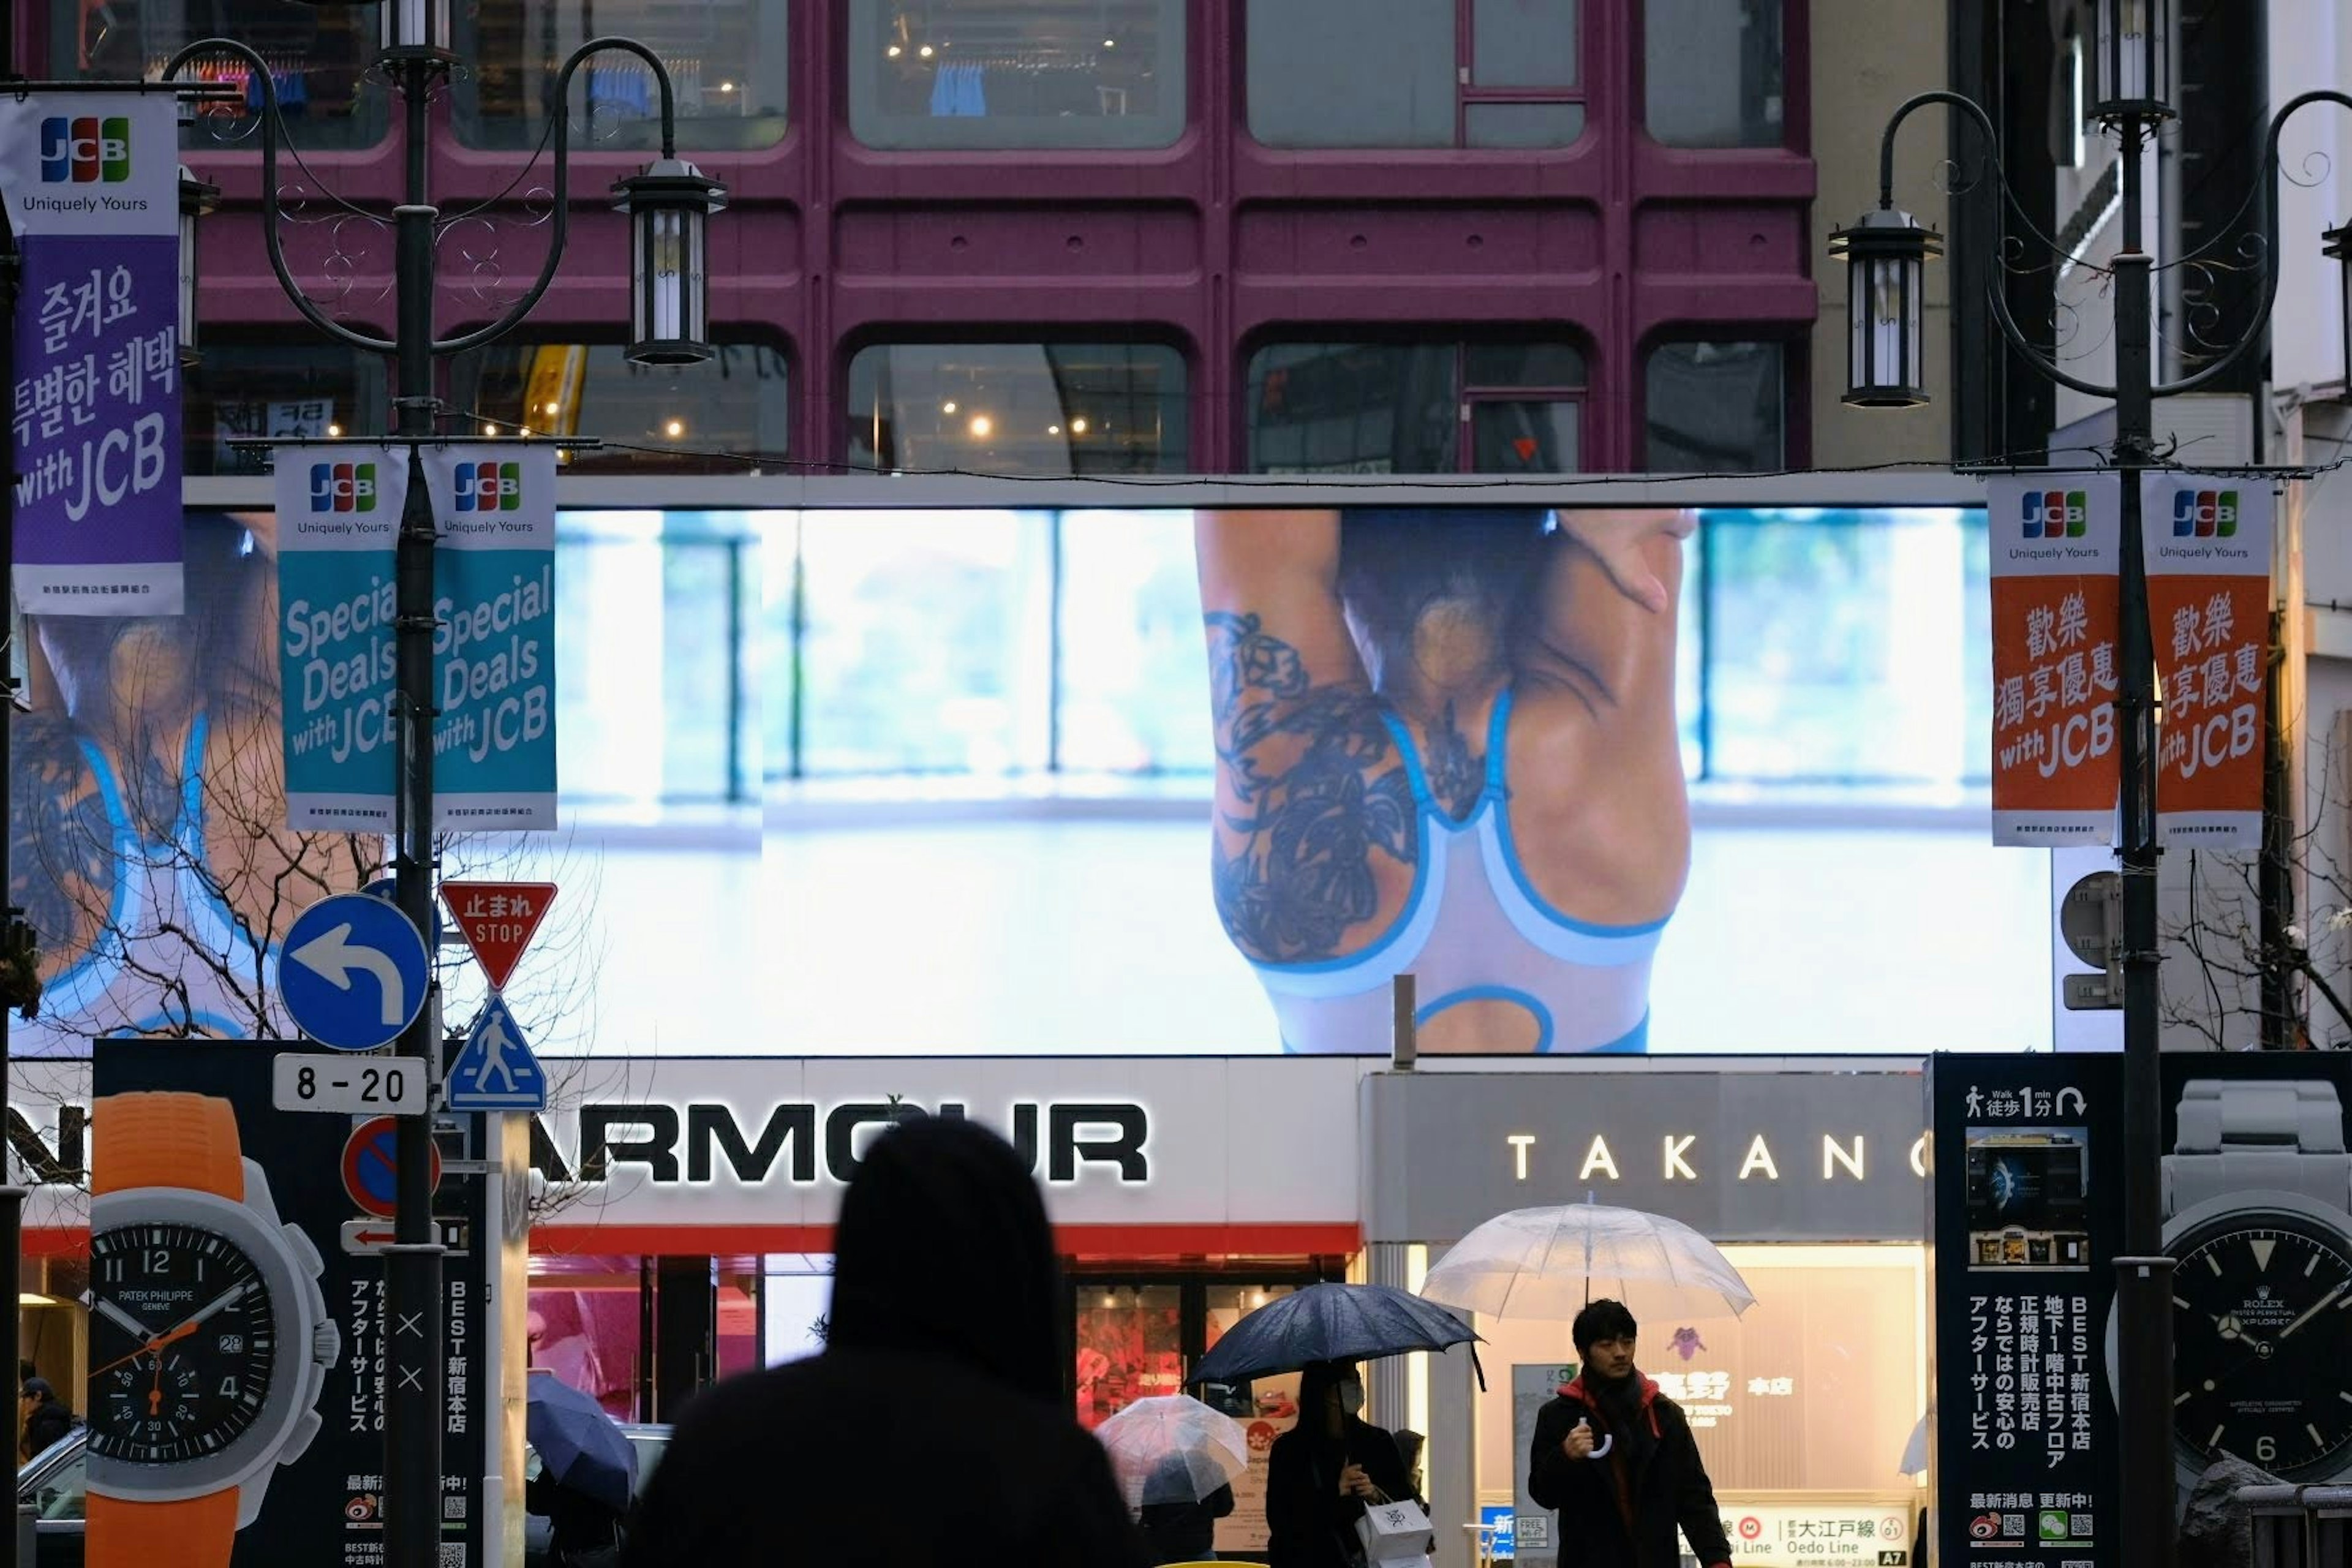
<point x="1322" y="1472"/>
<point x="1615" y="1458"/>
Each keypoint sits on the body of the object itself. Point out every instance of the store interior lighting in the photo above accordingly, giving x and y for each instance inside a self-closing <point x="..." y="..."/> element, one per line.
<point x="982" y="426"/>
<point x="673" y="429"/>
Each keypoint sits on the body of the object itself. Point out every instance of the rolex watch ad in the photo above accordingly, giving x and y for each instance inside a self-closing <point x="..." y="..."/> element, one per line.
<point x="237" y="1342"/>
<point x="2257" y="1203"/>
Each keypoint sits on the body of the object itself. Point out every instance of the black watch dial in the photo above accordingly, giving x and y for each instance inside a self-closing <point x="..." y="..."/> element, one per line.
<point x="181" y="1343"/>
<point x="2262" y="1325"/>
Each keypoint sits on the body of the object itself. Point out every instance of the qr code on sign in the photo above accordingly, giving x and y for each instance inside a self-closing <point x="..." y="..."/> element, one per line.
<point x="453" y="1554"/>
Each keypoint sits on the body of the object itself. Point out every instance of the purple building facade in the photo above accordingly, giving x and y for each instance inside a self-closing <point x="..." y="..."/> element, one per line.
<point x="1041" y="236"/>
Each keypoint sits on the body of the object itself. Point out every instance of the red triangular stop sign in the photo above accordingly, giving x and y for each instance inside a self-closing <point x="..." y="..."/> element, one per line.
<point x="498" y="918"/>
<point x="1525" y="446"/>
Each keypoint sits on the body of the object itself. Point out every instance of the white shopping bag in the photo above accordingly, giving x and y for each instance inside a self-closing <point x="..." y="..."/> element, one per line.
<point x="1396" y="1534"/>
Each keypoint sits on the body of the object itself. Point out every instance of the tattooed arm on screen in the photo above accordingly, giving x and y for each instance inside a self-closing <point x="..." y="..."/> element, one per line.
<point x="1316" y="837"/>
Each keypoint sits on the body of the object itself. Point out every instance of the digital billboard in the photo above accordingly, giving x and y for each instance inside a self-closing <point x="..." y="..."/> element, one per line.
<point x="1134" y="781"/>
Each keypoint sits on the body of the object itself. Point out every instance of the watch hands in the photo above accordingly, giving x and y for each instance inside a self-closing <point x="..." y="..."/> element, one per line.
<point x="224" y="1299"/>
<point x="107" y="1309"/>
<point x="2313" y="1310"/>
<point x="155" y="1343"/>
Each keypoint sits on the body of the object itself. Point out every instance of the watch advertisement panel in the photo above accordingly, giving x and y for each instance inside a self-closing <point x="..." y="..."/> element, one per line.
<point x="2028" y="1215"/>
<point x="2257" y="1188"/>
<point x="210" y="1390"/>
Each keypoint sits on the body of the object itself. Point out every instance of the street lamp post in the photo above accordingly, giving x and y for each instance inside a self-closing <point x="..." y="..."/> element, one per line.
<point x="1888" y="249"/>
<point x="669" y="205"/>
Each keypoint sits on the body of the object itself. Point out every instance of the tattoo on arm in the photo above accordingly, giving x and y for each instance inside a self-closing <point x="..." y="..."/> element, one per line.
<point x="1319" y="788"/>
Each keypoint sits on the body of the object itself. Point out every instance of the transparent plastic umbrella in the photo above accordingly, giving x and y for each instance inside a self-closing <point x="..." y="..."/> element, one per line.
<point x="1173" y="1449"/>
<point x="1547" y="1263"/>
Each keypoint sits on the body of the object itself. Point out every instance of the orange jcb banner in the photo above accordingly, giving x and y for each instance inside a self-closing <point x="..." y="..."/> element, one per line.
<point x="2209" y="597"/>
<point x="2056" y="545"/>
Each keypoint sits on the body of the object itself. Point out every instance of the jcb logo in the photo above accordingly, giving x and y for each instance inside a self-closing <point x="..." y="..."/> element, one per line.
<point x="489" y="487"/>
<point x="2204" y="514"/>
<point x="2057" y="514"/>
<point x="342" y="487"/>
<point x="83" y="150"/>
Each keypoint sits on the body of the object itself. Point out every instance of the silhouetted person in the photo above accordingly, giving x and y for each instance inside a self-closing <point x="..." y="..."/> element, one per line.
<point x="1178" y="1527"/>
<point x="934" y="1427"/>
<point x="1322" y="1472"/>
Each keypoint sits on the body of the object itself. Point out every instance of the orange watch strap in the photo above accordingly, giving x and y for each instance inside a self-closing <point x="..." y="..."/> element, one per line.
<point x="200" y="1533"/>
<point x="165" y="1140"/>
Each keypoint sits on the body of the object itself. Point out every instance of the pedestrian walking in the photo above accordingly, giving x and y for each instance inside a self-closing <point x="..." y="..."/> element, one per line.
<point x="933" y="1428"/>
<point x="42" y="1417"/>
<point x="1178" y="1527"/>
<point x="1322" y="1472"/>
<point x="1615" y="1458"/>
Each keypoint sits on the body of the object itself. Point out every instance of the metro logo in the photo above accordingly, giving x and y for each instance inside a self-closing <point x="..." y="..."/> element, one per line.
<point x="342" y="487"/>
<point x="2057" y="514"/>
<point x="2204" y="514"/>
<point x="84" y="150"/>
<point x="489" y="487"/>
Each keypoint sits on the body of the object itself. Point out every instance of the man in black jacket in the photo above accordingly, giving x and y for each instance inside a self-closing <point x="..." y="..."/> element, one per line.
<point x="1615" y="1458"/>
<point x="42" y="1416"/>
<point x="934" y="1428"/>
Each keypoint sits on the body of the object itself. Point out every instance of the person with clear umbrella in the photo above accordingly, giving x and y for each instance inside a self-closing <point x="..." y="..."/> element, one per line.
<point x="1176" y="1459"/>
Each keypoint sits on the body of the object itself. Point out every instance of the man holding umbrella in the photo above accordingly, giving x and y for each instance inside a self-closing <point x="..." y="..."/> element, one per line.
<point x="1615" y="1458"/>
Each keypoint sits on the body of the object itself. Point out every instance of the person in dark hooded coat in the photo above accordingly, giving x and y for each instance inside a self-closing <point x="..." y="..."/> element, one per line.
<point x="934" y="1428"/>
<point x="1616" y="1458"/>
<point x="1321" y="1473"/>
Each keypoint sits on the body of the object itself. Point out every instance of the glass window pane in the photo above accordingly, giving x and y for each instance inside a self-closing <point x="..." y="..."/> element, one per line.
<point x="1524" y="437"/>
<point x="245" y="390"/>
<point x="699" y="670"/>
<point x="1522" y="124"/>
<point x="726" y="60"/>
<point x="1523" y="43"/>
<point x="316" y="54"/>
<point x="1716" y="408"/>
<point x="665" y="418"/>
<point x="1353" y="409"/>
<point x="1839" y="646"/>
<point x="780" y="690"/>
<point x="1131" y="611"/>
<point x="1712" y="72"/>
<point x="1016" y="73"/>
<point x="929" y="641"/>
<point x="1351" y="73"/>
<point x="1131" y="1346"/>
<point x="1539" y="364"/>
<point x="1020" y="408"/>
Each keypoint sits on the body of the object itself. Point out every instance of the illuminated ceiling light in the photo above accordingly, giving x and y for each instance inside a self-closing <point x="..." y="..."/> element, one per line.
<point x="334" y="432"/>
<point x="1110" y="43"/>
<point x="894" y="51"/>
<point x="1257" y="1298"/>
<point x="727" y="87"/>
<point x="1053" y="429"/>
<point x="982" y="426"/>
<point x="554" y="408"/>
<point x="925" y="51"/>
<point x="1078" y="426"/>
<point x="1111" y="1299"/>
<point x="673" y="429"/>
<point x="948" y="406"/>
<point x="489" y="429"/>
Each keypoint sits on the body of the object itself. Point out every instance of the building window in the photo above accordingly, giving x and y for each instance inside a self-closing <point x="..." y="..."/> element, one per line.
<point x="1016" y="73"/>
<point x="319" y="56"/>
<point x="726" y="58"/>
<point x="1415" y="408"/>
<point x="1716" y="408"/>
<point x="723" y="416"/>
<point x="1712" y="73"/>
<point x="1415" y="73"/>
<point x="248" y="391"/>
<point x="1019" y="409"/>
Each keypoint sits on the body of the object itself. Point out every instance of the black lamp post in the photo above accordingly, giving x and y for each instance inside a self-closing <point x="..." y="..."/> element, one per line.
<point x="2132" y="81"/>
<point x="669" y="205"/>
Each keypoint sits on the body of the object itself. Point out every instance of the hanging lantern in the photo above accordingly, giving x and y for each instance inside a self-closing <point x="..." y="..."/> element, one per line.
<point x="2133" y="71"/>
<point x="416" y="28"/>
<point x="1886" y="253"/>
<point x="2336" y="244"/>
<point x="669" y="207"/>
<point x="197" y="197"/>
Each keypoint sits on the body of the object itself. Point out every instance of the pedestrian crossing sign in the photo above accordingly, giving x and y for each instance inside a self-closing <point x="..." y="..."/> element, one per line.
<point x="495" y="1069"/>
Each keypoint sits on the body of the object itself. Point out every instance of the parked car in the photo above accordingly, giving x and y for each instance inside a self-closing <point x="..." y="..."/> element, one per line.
<point x="55" y="1481"/>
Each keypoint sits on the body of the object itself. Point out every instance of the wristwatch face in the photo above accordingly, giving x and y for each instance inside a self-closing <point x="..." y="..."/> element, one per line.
<point x="182" y="1340"/>
<point x="2261" y="1324"/>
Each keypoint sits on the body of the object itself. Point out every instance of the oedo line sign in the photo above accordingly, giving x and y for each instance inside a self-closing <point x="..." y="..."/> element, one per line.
<point x="93" y="184"/>
<point x="338" y="511"/>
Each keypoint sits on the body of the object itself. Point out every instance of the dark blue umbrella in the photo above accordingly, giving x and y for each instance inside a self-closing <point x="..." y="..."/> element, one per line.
<point x="582" y="1447"/>
<point x="1329" y="1322"/>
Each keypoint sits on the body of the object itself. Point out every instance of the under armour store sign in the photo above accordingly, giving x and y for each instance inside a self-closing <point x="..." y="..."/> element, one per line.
<point x="1740" y="1155"/>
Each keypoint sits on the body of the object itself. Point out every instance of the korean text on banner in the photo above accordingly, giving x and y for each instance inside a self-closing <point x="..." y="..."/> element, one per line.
<point x="2208" y="598"/>
<point x="494" y="647"/>
<point x="2056" y="545"/>
<point x="92" y="187"/>
<point x="337" y="528"/>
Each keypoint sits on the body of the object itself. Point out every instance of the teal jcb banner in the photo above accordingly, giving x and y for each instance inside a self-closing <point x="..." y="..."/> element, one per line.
<point x="493" y="641"/>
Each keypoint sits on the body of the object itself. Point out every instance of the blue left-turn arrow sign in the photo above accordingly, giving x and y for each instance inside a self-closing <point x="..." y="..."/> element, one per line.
<point x="355" y="971"/>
